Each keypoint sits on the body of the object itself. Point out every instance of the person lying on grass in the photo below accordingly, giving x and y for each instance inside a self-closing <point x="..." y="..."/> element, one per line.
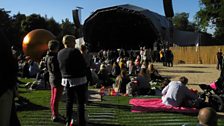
<point x="176" y="93"/>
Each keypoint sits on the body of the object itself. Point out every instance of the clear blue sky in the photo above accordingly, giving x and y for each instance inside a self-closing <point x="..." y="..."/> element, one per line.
<point x="61" y="9"/>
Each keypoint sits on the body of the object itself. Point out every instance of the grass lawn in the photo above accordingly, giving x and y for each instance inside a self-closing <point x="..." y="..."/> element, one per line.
<point x="112" y="111"/>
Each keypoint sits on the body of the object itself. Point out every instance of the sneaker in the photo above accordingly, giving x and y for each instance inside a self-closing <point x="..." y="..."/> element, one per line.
<point x="58" y="119"/>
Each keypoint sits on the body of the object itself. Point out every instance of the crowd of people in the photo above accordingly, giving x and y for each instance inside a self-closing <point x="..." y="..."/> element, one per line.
<point x="132" y="71"/>
<point x="128" y="72"/>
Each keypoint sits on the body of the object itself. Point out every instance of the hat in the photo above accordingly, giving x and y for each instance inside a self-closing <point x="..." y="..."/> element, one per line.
<point x="53" y="44"/>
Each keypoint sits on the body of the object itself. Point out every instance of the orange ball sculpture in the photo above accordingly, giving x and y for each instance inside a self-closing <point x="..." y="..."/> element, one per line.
<point x="35" y="43"/>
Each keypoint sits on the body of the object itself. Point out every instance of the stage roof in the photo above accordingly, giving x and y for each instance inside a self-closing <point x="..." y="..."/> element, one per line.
<point x="125" y="26"/>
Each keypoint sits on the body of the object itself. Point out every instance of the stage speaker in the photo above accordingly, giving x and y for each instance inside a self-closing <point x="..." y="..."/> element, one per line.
<point x="168" y="8"/>
<point x="75" y="14"/>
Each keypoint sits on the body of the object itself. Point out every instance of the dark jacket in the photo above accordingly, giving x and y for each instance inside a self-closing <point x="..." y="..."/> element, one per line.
<point x="53" y="69"/>
<point x="71" y="63"/>
<point x="8" y="73"/>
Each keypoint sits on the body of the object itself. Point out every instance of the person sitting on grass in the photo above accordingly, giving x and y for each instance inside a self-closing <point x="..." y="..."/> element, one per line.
<point x="176" y="93"/>
<point x="143" y="83"/>
<point x="116" y="70"/>
<point x="121" y="81"/>
<point x="104" y="78"/>
<point x="131" y="68"/>
<point x="153" y="73"/>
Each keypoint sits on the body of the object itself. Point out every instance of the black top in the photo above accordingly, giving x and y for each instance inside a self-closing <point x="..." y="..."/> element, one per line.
<point x="71" y="63"/>
<point x="219" y="55"/>
<point x="8" y="73"/>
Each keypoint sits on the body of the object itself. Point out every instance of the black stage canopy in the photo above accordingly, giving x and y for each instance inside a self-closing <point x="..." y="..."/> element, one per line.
<point x="125" y="26"/>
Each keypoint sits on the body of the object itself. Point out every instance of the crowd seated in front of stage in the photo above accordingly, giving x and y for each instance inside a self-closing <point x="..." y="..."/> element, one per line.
<point x="107" y="65"/>
<point x="116" y="72"/>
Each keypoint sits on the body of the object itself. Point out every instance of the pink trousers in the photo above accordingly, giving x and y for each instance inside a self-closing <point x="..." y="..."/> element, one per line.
<point x="56" y="93"/>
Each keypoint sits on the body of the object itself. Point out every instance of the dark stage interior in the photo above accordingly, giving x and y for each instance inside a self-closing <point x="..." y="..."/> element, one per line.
<point x="119" y="28"/>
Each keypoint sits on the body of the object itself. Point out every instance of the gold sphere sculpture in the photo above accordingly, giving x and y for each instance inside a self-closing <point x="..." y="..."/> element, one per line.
<point x="35" y="43"/>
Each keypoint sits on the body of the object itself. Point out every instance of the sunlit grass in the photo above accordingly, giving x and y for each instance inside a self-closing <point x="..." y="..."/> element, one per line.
<point x="112" y="111"/>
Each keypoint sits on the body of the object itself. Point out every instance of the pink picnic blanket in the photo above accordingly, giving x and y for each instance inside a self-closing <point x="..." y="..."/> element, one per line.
<point x="156" y="105"/>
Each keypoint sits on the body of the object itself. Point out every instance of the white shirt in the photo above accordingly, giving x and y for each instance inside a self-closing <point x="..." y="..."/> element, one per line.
<point x="175" y="92"/>
<point x="71" y="82"/>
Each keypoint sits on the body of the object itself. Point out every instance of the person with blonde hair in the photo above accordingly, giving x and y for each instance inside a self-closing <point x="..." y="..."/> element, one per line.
<point x="121" y="81"/>
<point x="153" y="73"/>
<point x="73" y="69"/>
<point x="207" y="117"/>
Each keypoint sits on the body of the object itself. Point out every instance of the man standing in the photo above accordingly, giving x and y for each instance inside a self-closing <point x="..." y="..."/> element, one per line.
<point x="219" y="59"/>
<point x="73" y="69"/>
<point x="176" y="93"/>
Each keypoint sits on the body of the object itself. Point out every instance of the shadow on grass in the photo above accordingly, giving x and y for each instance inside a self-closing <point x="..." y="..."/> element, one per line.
<point x="22" y="104"/>
<point x="97" y="124"/>
<point x="193" y="66"/>
<point x="115" y="106"/>
<point x="182" y="71"/>
<point x="23" y="91"/>
<point x="170" y="76"/>
<point x="146" y="109"/>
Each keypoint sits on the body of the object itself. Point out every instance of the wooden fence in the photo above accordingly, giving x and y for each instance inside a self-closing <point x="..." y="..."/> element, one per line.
<point x="196" y="55"/>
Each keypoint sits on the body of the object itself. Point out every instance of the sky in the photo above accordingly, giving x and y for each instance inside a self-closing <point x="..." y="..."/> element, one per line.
<point x="62" y="9"/>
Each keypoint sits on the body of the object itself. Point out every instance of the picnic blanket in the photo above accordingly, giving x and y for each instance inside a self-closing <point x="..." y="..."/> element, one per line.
<point x="108" y="91"/>
<point x="156" y="105"/>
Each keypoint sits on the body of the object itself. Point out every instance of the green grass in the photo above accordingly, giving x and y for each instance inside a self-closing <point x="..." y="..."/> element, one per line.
<point x="112" y="111"/>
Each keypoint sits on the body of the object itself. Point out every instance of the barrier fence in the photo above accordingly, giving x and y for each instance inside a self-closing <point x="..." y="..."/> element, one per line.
<point x="196" y="55"/>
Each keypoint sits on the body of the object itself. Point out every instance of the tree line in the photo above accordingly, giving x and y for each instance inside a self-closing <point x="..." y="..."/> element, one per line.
<point x="17" y="26"/>
<point x="211" y="14"/>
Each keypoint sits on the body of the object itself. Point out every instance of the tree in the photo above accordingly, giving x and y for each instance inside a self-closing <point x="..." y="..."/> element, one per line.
<point x="53" y="26"/>
<point x="67" y="28"/>
<point x="5" y="22"/>
<point x="181" y="22"/>
<point x="32" y="22"/>
<point x="211" y="13"/>
<point x="17" y="26"/>
<point x="17" y="33"/>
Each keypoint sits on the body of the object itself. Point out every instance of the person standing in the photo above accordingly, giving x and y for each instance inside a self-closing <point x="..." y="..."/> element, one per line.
<point x="73" y="69"/>
<point x="169" y="57"/>
<point x="54" y="79"/>
<point x="219" y="59"/>
<point x="88" y="60"/>
<point x="8" y="78"/>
